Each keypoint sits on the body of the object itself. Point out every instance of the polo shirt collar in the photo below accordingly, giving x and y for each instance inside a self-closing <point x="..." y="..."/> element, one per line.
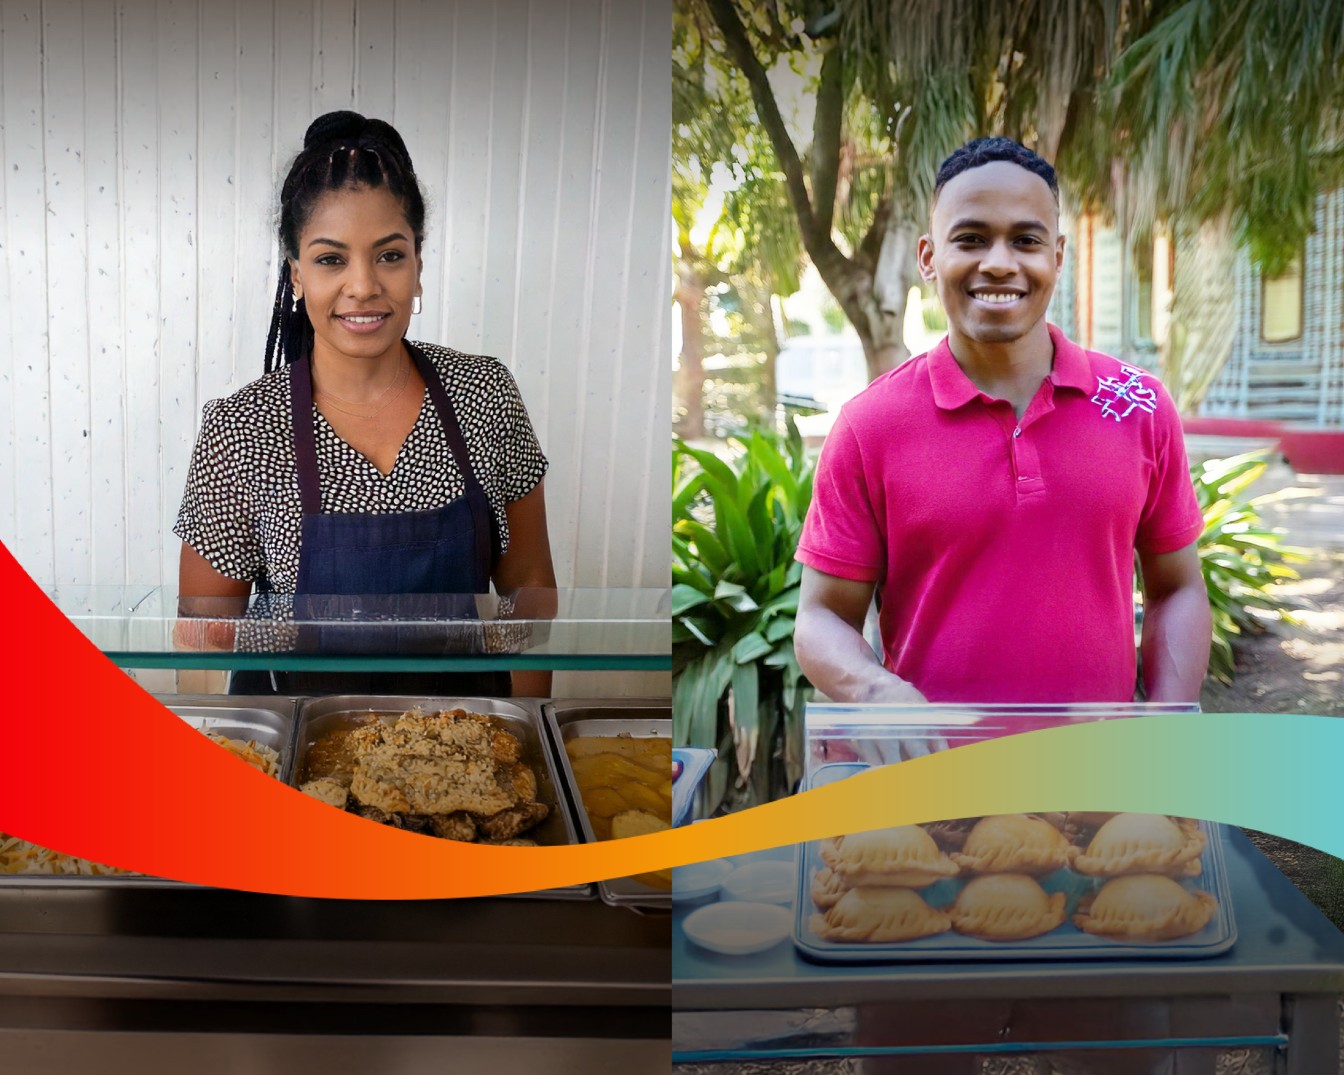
<point x="1071" y="368"/>
<point x="953" y="389"/>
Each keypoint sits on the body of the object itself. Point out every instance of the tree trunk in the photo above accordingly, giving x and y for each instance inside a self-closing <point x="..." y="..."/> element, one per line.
<point x="690" y="381"/>
<point x="879" y="329"/>
<point x="769" y="383"/>
<point x="874" y="299"/>
<point x="897" y="273"/>
<point x="852" y="280"/>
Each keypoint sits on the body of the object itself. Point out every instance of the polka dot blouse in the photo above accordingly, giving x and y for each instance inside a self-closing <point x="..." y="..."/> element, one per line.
<point x="241" y="508"/>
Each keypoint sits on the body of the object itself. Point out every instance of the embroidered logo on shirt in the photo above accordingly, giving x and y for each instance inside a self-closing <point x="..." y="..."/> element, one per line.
<point x="1117" y="398"/>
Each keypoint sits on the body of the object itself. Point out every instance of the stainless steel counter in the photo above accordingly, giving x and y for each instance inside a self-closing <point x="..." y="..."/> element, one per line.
<point x="87" y="975"/>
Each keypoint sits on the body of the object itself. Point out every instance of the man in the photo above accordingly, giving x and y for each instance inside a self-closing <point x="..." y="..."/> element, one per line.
<point x="994" y="490"/>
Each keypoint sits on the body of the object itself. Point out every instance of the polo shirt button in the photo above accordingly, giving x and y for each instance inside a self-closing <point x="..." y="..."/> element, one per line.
<point x="1017" y="432"/>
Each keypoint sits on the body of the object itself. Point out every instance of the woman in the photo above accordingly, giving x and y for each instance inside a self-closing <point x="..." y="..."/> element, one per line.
<point x="362" y="463"/>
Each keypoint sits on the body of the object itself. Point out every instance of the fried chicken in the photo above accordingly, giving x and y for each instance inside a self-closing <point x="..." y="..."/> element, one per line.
<point x="458" y="826"/>
<point x="429" y="765"/>
<point x="332" y="792"/>
<point x="373" y="813"/>
<point x="522" y="784"/>
<point x="457" y="775"/>
<point x="507" y="824"/>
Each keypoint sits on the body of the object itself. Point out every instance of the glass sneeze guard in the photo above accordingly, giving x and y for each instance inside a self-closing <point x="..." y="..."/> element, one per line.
<point x="582" y="628"/>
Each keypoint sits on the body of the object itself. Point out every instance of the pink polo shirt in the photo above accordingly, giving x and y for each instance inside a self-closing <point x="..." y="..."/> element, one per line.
<point x="1003" y="550"/>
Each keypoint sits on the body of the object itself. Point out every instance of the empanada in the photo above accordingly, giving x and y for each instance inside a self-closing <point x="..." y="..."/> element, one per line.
<point x="1143" y="843"/>
<point x="1187" y="825"/>
<point x="1014" y="843"/>
<point x="1006" y="907"/>
<point x="879" y="916"/>
<point x="904" y="856"/>
<point x="1146" y="907"/>
<point x="827" y="888"/>
<point x="950" y="835"/>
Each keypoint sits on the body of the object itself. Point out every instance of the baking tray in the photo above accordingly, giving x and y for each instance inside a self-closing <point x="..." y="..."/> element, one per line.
<point x="269" y="719"/>
<point x="642" y="718"/>
<point x="1064" y="942"/>
<point x="522" y="717"/>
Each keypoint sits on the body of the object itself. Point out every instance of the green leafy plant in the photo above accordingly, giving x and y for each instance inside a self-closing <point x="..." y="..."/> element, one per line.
<point x="737" y="686"/>
<point x="1242" y="559"/>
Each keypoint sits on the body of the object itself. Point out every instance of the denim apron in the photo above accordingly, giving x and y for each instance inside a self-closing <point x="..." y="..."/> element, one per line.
<point x="347" y="560"/>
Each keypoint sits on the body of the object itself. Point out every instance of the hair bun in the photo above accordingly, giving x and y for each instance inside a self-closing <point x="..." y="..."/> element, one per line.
<point x="334" y="126"/>
<point x="383" y="133"/>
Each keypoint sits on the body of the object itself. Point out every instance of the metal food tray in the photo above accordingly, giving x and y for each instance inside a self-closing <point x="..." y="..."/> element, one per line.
<point x="522" y="717"/>
<point x="244" y="718"/>
<point x="269" y="719"/>
<point x="642" y="718"/>
<point x="1064" y="942"/>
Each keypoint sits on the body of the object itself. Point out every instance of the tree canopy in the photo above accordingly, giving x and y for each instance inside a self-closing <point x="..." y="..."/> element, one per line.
<point x="1195" y="114"/>
<point x="1156" y="110"/>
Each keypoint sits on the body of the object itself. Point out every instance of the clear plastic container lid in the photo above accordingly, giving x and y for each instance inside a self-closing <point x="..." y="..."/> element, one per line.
<point x="886" y="733"/>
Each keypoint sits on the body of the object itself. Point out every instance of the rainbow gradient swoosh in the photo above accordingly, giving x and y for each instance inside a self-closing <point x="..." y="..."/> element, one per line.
<point x="124" y="781"/>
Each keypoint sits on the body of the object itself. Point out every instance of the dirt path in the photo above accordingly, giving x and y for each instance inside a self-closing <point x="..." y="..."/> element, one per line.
<point x="1294" y="669"/>
<point x="1299" y="668"/>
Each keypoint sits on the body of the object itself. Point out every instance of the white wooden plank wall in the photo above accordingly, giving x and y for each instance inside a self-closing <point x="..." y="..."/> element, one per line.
<point x="28" y="448"/>
<point x="141" y="145"/>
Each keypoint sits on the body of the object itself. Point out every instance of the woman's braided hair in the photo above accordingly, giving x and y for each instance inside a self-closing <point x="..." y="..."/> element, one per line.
<point x="341" y="150"/>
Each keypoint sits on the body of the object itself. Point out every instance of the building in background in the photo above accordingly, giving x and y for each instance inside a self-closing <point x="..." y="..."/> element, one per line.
<point x="1286" y="363"/>
<point x="1283" y="377"/>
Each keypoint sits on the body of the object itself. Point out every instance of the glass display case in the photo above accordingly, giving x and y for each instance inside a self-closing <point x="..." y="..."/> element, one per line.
<point x="1014" y="887"/>
<point x="1253" y="988"/>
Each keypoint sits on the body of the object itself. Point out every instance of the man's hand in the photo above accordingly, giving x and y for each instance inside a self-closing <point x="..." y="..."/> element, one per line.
<point x="828" y="640"/>
<point x="890" y="689"/>
<point x="889" y="750"/>
<point x="834" y="655"/>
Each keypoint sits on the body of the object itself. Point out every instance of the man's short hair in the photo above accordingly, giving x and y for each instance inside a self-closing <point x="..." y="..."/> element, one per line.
<point x="980" y="151"/>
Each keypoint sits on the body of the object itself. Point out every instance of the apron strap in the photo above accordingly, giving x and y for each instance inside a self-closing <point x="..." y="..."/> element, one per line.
<point x="482" y="521"/>
<point x="305" y="446"/>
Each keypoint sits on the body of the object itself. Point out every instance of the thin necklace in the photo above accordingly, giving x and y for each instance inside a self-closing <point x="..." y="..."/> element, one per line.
<point x="379" y="405"/>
